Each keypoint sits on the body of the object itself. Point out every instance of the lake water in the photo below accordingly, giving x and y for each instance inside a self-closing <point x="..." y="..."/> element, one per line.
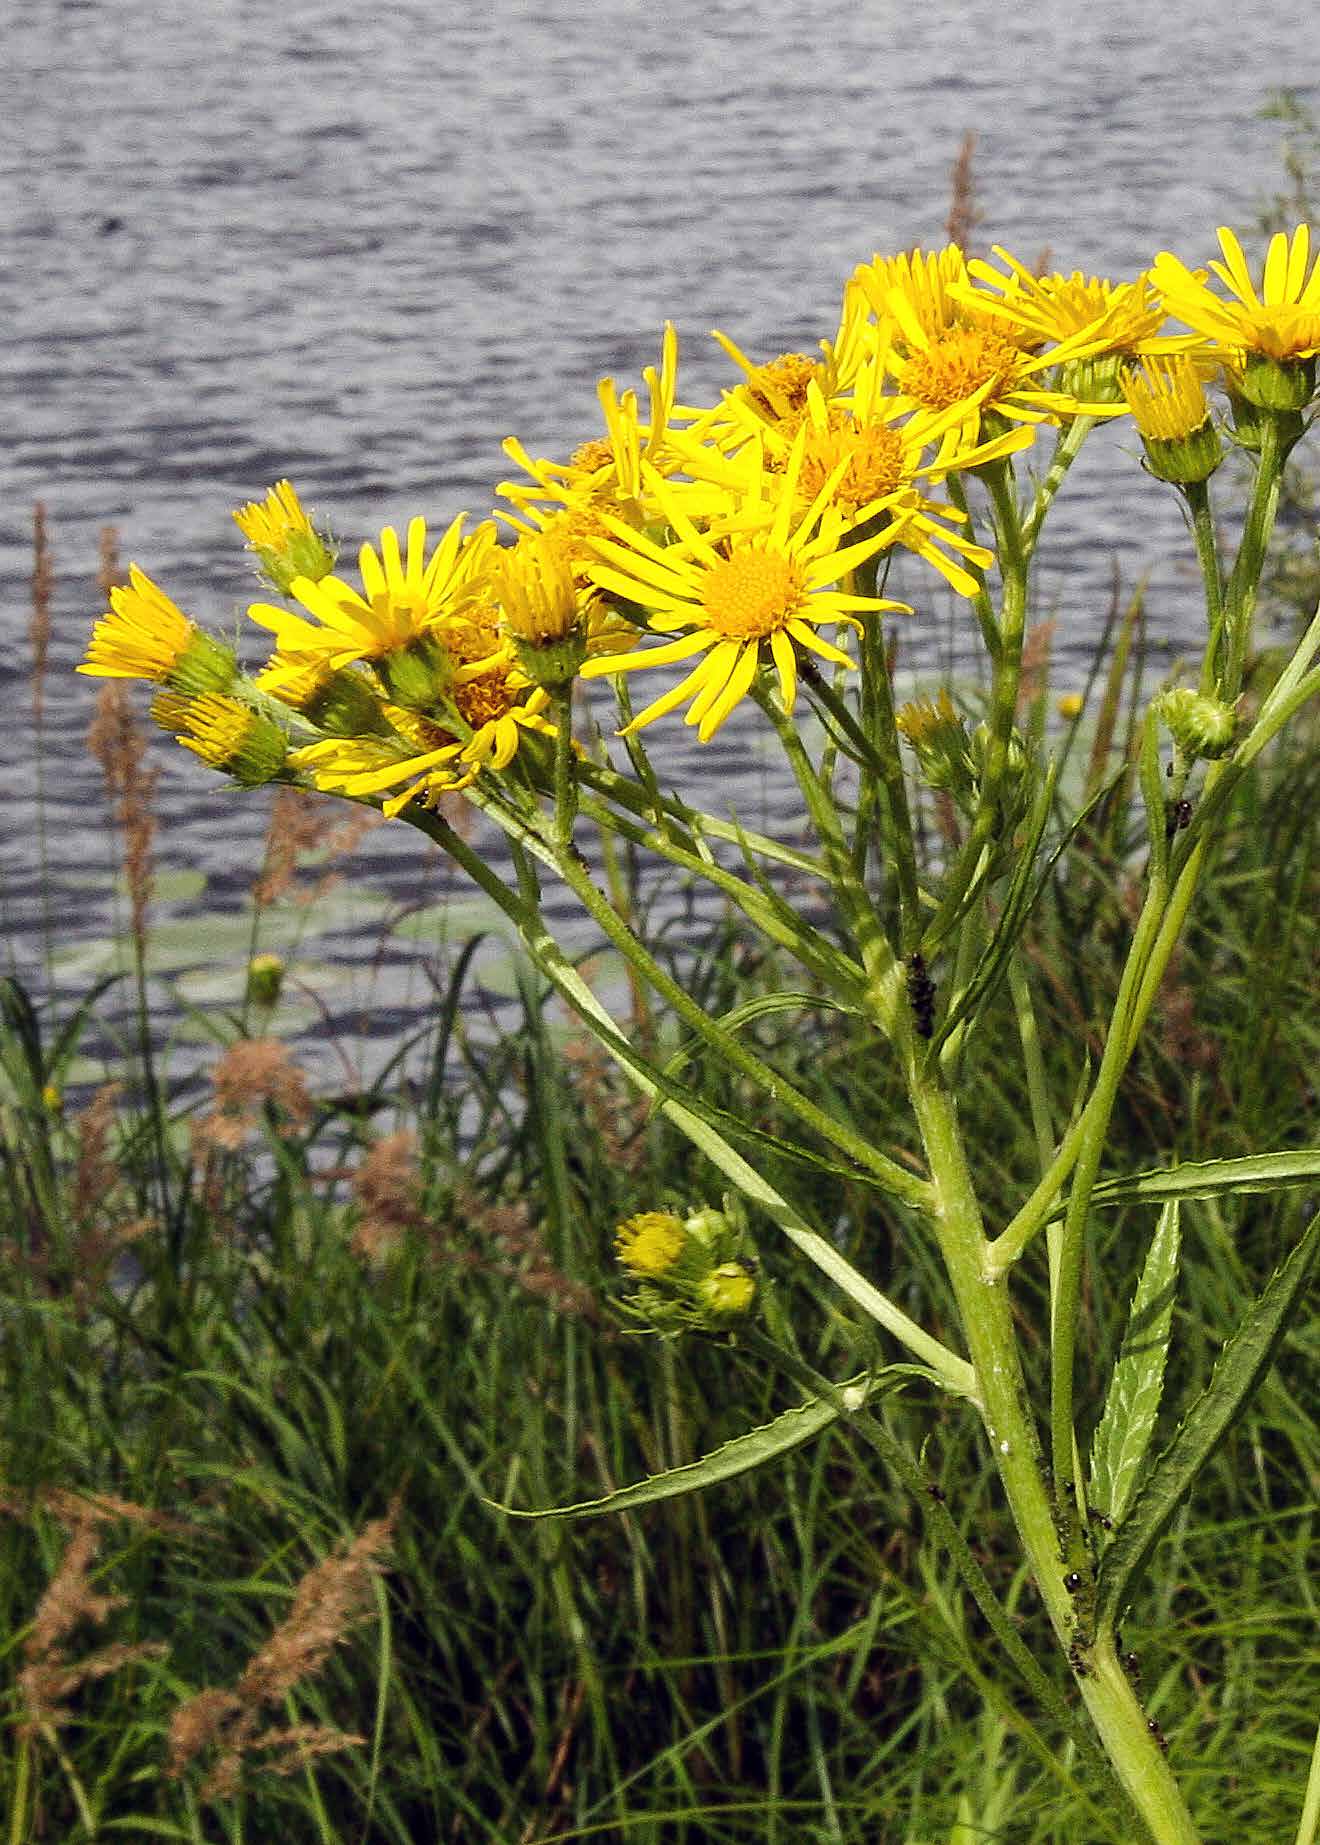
<point x="361" y="245"/>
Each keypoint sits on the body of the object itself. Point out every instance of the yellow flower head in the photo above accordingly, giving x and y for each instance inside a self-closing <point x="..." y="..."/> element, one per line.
<point x="1124" y="317"/>
<point x="606" y="469"/>
<point x="650" y="1243"/>
<point x="1282" y="322"/>
<point x="745" y="600"/>
<point x="1167" y="401"/>
<point x="420" y="755"/>
<point x="227" y="735"/>
<point x="1169" y="406"/>
<point x="145" y="636"/>
<point x="283" y="537"/>
<point x="403" y="598"/>
<point x="924" y="279"/>
<point x="533" y="583"/>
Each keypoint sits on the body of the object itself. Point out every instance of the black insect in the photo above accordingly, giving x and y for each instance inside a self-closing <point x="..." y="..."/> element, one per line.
<point x="1158" y="1734"/>
<point x="921" y="996"/>
<point x="1180" y="815"/>
<point x="936" y="1493"/>
<point x="1076" y="1661"/>
<point x="1072" y="1582"/>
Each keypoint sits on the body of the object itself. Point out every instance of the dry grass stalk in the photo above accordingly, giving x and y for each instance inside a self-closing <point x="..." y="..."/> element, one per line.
<point x="255" y="1079"/>
<point x="509" y="1228"/>
<point x="301" y="823"/>
<point x="618" y="1115"/>
<point x="107" y="564"/>
<point x="387" y="1189"/>
<point x="50" y="1676"/>
<point x="1035" y="679"/>
<point x="117" y="743"/>
<point x="43" y="582"/>
<point x="963" y="216"/>
<point x="332" y="1598"/>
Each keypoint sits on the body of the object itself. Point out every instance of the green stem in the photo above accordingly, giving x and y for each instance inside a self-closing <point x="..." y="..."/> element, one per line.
<point x="566" y="789"/>
<point x="987" y="1318"/>
<point x="1197" y="495"/>
<point x="953" y="1373"/>
<point x="1243" y="584"/>
<point x="1066" y="451"/>
<point x="1308" y="1830"/>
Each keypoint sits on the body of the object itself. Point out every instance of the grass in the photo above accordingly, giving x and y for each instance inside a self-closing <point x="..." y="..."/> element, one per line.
<point x="239" y="1332"/>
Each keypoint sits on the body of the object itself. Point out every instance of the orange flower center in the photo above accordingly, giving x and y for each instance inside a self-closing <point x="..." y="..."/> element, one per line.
<point x="753" y="593"/>
<point x="592" y="456"/>
<point x="484" y="699"/>
<point x="958" y="364"/>
<point x="779" y="389"/>
<point x="874" y="456"/>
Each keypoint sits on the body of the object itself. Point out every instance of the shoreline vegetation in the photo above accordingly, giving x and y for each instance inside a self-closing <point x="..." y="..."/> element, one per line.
<point x="274" y="1358"/>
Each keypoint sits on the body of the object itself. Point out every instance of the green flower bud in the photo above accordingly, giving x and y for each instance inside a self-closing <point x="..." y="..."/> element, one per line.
<point x="1276" y="384"/>
<point x="204" y="665"/>
<point x="265" y="978"/>
<point x="1201" y="726"/>
<point x="727" y="1293"/>
<point x="419" y="676"/>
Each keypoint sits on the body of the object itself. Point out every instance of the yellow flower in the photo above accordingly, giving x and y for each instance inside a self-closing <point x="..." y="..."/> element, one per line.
<point x="1169" y="406"/>
<point x="145" y="636"/>
<point x="1167" y="401"/>
<point x="405" y="600"/>
<point x="763" y="588"/>
<point x="925" y="279"/>
<point x="1070" y="705"/>
<point x="283" y="537"/>
<point x="606" y="469"/>
<point x="226" y="734"/>
<point x="533" y="583"/>
<point x="1282" y="322"/>
<point x="951" y="379"/>
<point x="1126" y="317"/>
<point x="362" y="767"/>
<point x="651" y="1242"/>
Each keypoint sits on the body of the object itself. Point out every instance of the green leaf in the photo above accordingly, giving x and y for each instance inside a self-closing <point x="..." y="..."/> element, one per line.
<point x="1256" y="1172"/>
<point x="1133" y="1402"/>
<point x="740" y="1455"/>
<point x="1242" y="1364"/>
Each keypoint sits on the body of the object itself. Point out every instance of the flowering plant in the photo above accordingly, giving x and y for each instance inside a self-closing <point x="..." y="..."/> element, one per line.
<point x="747" y="544"/>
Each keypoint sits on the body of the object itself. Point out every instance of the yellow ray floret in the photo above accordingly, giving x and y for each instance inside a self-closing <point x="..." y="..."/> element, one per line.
<point x="1280" y="322"/>
<point x="748" y="601"/>
<point x="143" y="636"/>
<point x="1127" y="317"/>
<point x="402" y="597"/>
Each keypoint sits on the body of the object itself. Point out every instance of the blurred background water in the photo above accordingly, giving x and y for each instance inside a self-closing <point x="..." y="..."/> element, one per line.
<point x="360" y="245"/>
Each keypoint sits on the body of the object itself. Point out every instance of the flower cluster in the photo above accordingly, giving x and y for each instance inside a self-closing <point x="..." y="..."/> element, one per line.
<point x="722" y="538"/>
<point x="692" y="1273"/>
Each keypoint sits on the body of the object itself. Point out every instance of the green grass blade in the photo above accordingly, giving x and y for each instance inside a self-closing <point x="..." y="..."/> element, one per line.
<point x="1133" y="1402"/>
<point x="1242" y="1364"/>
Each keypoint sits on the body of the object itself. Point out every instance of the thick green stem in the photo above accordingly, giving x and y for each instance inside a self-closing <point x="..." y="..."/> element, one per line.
<point x="986" y="1313"/>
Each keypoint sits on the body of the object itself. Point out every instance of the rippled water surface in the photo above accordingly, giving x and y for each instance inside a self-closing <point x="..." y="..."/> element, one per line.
<point x="360" y="245"/>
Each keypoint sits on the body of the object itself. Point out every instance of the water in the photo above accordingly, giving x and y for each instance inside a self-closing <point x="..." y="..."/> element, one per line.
<point x="361" y="245"/>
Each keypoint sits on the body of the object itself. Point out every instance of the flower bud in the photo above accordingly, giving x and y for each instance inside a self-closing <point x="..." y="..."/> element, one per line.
<point x="229" y="736"/>
<point x="1276" y="384"/>
<point x="283" y="538"/>
<point x="265" y="979"/>
<point x="418" y="676"/>
<point x="1199" y="725"/>
<point x="1172" y="414"/>
<point x="939" y="739"/>
<point x="727" y="1292"/>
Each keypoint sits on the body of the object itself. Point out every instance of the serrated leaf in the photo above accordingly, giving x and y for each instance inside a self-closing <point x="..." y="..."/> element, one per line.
<point x="741" y="1455"/>
<point x="1242" y="1364"/>
<point x="1133" y="1402"/>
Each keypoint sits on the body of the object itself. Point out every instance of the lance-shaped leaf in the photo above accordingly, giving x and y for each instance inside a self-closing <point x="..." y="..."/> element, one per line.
<point x="1242" y="1364"/>
<point x="1133" y="1403"/>
<point x="1255" y="1172"/>
<point x="741" y="1455"/>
